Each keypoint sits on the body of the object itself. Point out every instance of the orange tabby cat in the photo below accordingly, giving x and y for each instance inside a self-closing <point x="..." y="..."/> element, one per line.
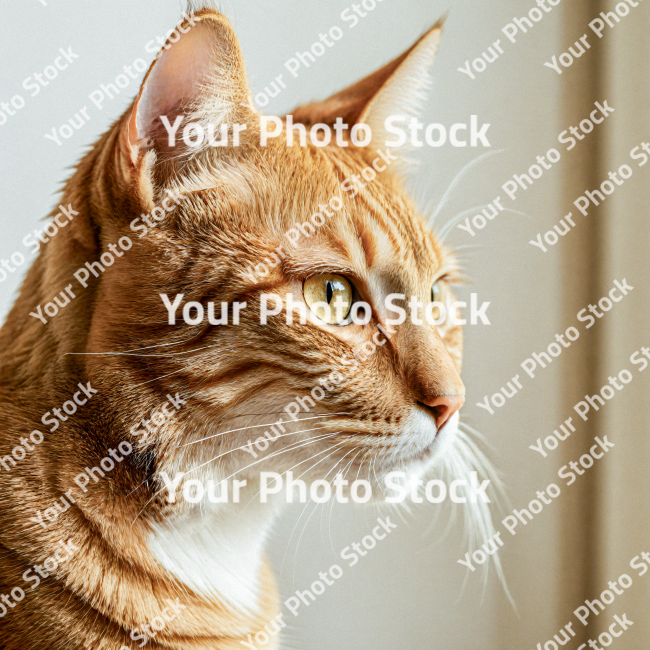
<point x="98" y="553"/>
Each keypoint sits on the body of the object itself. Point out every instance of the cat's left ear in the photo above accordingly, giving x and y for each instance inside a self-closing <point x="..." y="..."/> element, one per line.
<point x="197" y="79"/>
<point x="398" y="88"/>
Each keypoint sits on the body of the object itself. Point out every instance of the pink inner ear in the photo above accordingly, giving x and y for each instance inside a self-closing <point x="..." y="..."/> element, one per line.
<point x="174" y="81"/>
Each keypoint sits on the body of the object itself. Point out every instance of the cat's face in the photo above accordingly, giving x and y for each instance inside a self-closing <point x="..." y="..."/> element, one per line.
<point x="360" y="399"/>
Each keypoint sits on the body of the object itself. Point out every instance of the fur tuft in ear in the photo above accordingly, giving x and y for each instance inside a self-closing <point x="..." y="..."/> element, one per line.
<point x="405" y="90"/>
<point x="396" y="89"/>
<point x="199" y="79"/>
<point x="173" y="83"/>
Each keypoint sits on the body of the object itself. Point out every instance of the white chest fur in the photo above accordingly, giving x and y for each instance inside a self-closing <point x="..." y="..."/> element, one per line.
<point x="217" y="552"/>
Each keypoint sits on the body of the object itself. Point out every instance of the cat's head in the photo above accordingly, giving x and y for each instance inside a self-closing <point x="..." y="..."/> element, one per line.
<point x="368" y="398"/>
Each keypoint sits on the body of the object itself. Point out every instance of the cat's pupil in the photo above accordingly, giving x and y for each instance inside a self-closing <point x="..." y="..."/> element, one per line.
<point x="330" y="292"/>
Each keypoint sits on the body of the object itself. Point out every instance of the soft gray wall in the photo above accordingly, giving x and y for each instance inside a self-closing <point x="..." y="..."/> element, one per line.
<point x="408" y="592"/>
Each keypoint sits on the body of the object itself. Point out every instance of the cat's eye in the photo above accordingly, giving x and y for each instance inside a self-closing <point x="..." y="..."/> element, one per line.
<point x="437" y="296"/>
<point x="329" y="296"/>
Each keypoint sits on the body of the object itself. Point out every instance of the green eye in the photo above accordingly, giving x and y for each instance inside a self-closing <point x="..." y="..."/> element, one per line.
<point x="329" y="291"/>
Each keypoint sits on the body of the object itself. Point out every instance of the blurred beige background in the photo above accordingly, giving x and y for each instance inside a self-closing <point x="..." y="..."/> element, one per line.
<point x="408" y="592"/>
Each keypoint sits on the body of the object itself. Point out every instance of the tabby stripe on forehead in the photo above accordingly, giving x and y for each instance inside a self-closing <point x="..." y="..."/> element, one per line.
<point x="368" y="243"/>
<point x="373" y="206"/>
<point x="404" y="230"/>
<point x="409" y="231"/>
<point x="393" y="228"/>
<point x="379" y="210"/>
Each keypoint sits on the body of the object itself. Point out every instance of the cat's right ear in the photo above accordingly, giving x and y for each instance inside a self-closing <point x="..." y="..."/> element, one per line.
<point x="198" y="79"/>
<point x="397" y="89"/>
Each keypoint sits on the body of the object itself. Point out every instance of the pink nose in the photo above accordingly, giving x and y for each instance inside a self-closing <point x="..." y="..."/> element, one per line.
<point x="444" y="407"/>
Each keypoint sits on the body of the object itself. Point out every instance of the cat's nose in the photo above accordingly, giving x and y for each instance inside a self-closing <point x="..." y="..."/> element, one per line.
<point x="432" y="376"/>
<point x="443" y="407"/>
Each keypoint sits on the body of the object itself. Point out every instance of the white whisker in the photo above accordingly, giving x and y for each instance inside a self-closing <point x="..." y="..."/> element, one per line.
<point x="309" y="440"/>
<point x="257" y="426"/>
<point x="456" y="180"/>
<point x="459" y="460"/>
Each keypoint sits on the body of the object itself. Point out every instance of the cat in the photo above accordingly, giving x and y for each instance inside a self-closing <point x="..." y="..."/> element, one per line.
<point x="116" y="398"/>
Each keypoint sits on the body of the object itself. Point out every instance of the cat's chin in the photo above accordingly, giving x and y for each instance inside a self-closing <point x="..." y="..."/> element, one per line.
<point x="422" y="446"/>
<point x="426" y="444"/>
